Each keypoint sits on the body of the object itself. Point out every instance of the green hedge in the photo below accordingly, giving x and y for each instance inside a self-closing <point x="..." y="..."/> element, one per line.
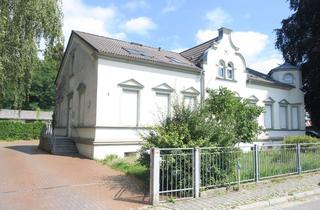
<point x="17" y="130"/>
<point x="300" y="139"/>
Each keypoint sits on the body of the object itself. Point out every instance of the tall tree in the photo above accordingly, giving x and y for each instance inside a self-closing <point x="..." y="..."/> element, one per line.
<point x="42" y="90"/>
<point x="299" y="41"/>
<point x="23" y="25"/>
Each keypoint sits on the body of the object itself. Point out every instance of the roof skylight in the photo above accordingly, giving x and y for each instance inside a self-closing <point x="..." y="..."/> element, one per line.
<point x="175" y="60"/>
<point x="137" y="52"/>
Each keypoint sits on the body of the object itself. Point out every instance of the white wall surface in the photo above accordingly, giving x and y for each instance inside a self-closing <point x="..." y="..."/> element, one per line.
<point x="109" y="94"/>
<point x="224" y="50"/>
<point x="84" y="71"/>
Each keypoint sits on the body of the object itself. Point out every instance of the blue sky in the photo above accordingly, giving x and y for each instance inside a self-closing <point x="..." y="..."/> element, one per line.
<point x="180" y="24"/>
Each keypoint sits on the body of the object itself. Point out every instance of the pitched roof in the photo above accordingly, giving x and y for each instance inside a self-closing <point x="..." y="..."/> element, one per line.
<point x="256" y="76"/>
<point x="283" y="67"/>
<point x="135" y="51"/>
<point x="195" y="53"/>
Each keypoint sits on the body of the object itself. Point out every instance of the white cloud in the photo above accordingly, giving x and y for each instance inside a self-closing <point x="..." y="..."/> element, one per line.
<point x="172" y="5"/>
<point x="140" y="25"/>
<point x="218" y="18"/>
<point x="179" y="50"/>
<point x="92" y="19"/>
<point x="257" y="48"/>
<point x="250" y="43"/>
<point x="136" y="4"/>
<point x="205" y="35"/>
<point x="266" y="63"/>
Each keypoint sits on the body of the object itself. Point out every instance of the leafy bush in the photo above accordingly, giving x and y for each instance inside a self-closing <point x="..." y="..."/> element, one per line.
<point x="300" y="139"/>
<point x="222" y="121"/>
<point x="17" y="130"/>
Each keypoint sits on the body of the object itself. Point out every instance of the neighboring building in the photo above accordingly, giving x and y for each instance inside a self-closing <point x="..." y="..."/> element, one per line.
<point x="109" y="91"/>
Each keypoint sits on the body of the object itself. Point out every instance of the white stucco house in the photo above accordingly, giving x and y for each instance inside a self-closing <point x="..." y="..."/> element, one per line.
<point x="109" y="90"/>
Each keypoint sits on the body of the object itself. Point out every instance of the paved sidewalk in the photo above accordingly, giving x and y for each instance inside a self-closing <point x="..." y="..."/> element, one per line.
<point x="249" y="193"/>
<point x="33" y="179"/>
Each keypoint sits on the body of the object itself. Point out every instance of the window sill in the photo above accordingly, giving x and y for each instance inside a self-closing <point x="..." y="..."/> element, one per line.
<point x="225" y="79"/>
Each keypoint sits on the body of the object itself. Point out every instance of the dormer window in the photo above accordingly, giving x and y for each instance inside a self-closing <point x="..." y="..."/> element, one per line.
<point x="221" y="69"/>
<point x="230" y="71"/>
<point x="288" y="78"/>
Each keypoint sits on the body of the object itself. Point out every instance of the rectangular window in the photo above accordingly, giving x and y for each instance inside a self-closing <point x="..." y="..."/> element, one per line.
<point x="163" y="103"/>
<point x="190" y="101"/>
<point x="81" y="108"/>
<point x="268" y="116"/>
<point x="283" y="117"/>
<point x="129" y="107"/>
<point x="295" y="117"/>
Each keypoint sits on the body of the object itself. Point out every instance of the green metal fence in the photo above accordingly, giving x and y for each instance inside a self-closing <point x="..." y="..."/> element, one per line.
<point x="178" y="173"/>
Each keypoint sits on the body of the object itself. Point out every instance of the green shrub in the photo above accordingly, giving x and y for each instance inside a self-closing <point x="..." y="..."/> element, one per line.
<point x="300" y="139"/>
<point x="17" y="130"/>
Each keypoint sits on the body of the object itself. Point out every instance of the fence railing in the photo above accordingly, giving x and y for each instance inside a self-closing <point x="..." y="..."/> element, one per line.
<point x="178" y="173"/>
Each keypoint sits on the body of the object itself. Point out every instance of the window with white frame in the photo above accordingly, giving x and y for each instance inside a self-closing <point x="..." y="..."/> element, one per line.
<point x="163" y="98"/>
<point x="221" y="69"/>
<point x="81" y="105"/>
<point x="130" y="107"/>
<point x="268" y="113"/>
<point x="190" y="97"/>
<point x="130" y="102"/>
<point x="295" y="117"/>
<point x="230" y="71"/>
<point x="268" y="116"/>
<point x="190" y="101"/>
<point x="283" y="117"/>
<point x="163" y="103"/>
<point x="283" y="114"/>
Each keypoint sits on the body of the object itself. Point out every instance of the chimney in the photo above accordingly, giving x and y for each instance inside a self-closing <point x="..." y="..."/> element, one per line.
<point x="224" y="31"/>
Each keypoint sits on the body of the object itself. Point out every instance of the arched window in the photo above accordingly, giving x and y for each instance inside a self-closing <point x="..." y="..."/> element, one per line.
<point x="230" y="71"/>
<point x="221" y="69"/>
<point x="288" y="78"/>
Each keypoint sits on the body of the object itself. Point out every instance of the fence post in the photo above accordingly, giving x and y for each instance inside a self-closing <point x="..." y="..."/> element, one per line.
<point x="196" y="172"/>
<point x="298" y="147"/>
<point x="256" y="163"/>
<point x="154" y="175"/>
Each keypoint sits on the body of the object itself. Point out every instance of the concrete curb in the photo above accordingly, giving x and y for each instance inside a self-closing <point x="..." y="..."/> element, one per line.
<point x="277" y="201"/>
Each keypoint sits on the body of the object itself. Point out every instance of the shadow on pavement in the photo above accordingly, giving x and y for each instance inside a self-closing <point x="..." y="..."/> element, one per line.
<point x="28" y="149"/>
<point x="130" y="189"/>
<point x="35" y="150"/>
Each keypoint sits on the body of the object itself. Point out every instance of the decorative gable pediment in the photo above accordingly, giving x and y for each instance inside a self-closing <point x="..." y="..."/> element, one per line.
<point x="164" y="87"/>
<point x="253" y="99"/>
<point x="284" y="102"/>
<point x="131" y="83"/>
<point x="190" y="91"/>
<point x="269" y="100"/>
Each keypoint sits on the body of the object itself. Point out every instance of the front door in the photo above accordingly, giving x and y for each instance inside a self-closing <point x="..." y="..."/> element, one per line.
<point x="69" y="120"/>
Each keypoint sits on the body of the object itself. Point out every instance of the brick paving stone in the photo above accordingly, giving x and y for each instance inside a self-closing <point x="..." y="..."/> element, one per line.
<point x="250" y="193"/>
<point x="33" y="179"/>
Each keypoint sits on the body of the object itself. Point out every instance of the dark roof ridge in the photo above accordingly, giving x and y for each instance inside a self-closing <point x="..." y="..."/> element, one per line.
<point x="203" y="43"/>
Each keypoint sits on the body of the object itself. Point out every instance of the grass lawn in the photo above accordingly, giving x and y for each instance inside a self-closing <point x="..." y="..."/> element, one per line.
<point x="129" y="166"/>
